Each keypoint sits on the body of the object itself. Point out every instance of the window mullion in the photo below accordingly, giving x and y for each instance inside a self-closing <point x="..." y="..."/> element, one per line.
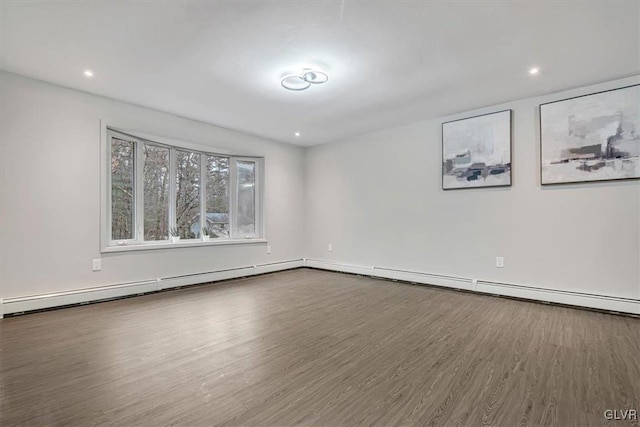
<point x="233" y="188"/>
<point x="259" y="218"/>
<point x="109" y="190"/>
<point x="172" y="188"/>
<point x="203" y="191"/>
<point x="139" y="191"/>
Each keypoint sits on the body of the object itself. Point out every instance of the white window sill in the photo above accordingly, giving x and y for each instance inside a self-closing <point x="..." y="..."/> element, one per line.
<point x="181" y="244"/>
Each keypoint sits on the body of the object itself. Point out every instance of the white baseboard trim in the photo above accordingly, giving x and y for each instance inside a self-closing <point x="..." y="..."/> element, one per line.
<point x="601" y="302"/>
<point x="334" y="266"/>
<point x="38" y="302"/>
<point x="57" y="299"/>
<point x="43" y="301"/>
<point x="425" y="278"/>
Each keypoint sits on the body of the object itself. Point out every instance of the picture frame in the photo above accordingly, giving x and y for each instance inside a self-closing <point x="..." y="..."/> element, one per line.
<point x="477" y="151"/>
<point x="591" y="138"/>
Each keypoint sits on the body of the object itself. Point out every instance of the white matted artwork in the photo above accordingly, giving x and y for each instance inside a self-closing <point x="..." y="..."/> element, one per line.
<point x="476" y="151"/>
<point x="592" y="137"/>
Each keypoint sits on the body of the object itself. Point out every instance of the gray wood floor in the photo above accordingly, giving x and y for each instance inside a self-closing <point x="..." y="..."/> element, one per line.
<point x="312" y="347"/>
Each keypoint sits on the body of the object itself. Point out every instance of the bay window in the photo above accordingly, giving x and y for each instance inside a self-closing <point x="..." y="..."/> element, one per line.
<point x="158" y="191"/>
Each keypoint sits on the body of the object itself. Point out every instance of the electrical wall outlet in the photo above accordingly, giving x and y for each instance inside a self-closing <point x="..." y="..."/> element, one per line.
<point x="330" y="247"/>
<point x="268" y="249"/>
<point x="499" y="262"/>
<point x="97" y="264"/>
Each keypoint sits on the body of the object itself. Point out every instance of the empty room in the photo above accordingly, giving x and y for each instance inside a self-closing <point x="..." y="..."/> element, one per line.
<point x="330" y="213"/>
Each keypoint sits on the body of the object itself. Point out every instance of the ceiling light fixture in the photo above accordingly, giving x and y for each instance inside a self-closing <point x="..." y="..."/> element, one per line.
<point x="304" y="80"/>
<point x="297" y="134"/>
<point x="533" y="71"/>
<point x="88" y="73"/>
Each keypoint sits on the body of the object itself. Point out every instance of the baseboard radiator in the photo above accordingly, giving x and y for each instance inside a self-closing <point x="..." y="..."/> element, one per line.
<point x="88" y="295"/>
<point x="599" y="302"/>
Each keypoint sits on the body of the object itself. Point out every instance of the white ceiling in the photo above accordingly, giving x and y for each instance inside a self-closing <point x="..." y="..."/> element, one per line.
<point x="389" y="62"/>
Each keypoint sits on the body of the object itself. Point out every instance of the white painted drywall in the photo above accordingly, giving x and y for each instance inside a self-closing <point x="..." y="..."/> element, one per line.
<point x="378" y="199"/>
<point x="50" y="192"/>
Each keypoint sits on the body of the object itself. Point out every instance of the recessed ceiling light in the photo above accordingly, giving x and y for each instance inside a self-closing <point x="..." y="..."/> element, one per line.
<point x="88" y="73"/>
<point x="297" y="134"/>
<point x="533" y="71"/>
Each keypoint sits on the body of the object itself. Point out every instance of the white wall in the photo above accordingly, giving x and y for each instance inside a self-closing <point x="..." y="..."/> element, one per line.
<point x="378" y="199"/>
<point x="50" y="192"/>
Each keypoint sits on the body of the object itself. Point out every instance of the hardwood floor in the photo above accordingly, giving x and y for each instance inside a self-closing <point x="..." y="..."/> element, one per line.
<point x="313" y="347"/>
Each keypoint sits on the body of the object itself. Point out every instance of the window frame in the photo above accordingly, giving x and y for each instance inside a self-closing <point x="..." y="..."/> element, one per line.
<point x="134" y="223"/>
<point x="138" y="243"/>
<point x="233" y="193"/>
<point x="140" y="231"/>
<point x="174" y="184"/>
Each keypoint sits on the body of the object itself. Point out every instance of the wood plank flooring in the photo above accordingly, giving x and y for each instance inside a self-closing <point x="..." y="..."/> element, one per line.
<point x="307" y="347"/>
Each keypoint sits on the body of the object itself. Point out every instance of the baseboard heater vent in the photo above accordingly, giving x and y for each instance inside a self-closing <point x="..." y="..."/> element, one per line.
<point x="33" y="303"/>
<point x="424" y="278"/>
<point x="552" y="296"/>
<point x="336" y="266"/>
<point x="557" y="296"/>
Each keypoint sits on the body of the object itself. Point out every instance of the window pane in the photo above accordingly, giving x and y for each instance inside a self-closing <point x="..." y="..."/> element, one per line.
<point x="188" y="194"/>
<point x="246" y="198"/>
<point x="217" y="196"/>
<point x="122" y="167"/>
<point x="156" y="192"/>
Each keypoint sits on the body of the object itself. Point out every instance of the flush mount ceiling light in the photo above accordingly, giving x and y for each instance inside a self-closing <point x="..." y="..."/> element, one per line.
<point x="304" y="80"/>
<point x="88" y="73"/>
<point x="533" y="71"/>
